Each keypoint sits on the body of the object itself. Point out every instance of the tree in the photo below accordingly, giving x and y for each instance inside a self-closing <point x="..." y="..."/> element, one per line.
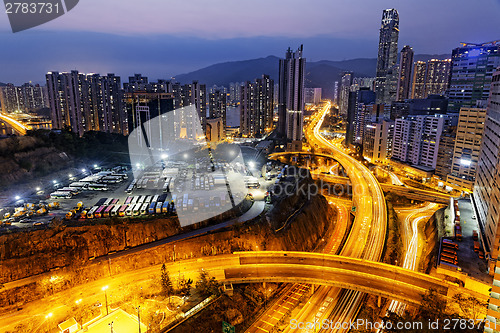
<point x="470" y="306"/>
<point x="433" y="306"/>
<point x="433" y="309"/>
<point x="208" y="285"/>
<point x="185" y="287"/>
<point x="166" y="284"/>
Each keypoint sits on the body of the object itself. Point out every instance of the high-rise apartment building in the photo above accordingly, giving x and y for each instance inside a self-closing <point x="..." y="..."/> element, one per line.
<point x="358" y="104"/>
<point x="416" y="139"/>
<point x="445" y="151"/>
<point x="467" y="147"/>
<point x="291" y="94"/>
<point x="345" y="88"/>
<point x="437" y="77"/>
<point x="472" y="67"/>
<point x="25" y="98"/>
<point x="387" y="72"/>
<point x="377" y="141"/>
<point x="430" y="78"/>
<point x="184" y="95"/>
<point x="217" y="105"/>
<point x="492" y="320"/>
<point x="486" y="193"/>
<point x="196" y="94"/>
<point x="137" y="83"/>
<point x="405" y="71"/>
<point x="86" y="102"/>
<point x="256" y="106"/>
<point x="336" y="93"/>
<point x="418" y="81"/>
<point x="294" y="126"/>
<point x="234" y="92"/>
<point x="312" y="95"/>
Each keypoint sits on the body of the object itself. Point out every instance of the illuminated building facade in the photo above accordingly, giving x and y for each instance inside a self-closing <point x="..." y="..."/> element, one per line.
<point x="86" y="102"/>
<point x="291" y="94"/>
<point x="405" y="71"/>
<point x="486" y="193"/>
<point x="345" y="88"/>
<point x="26" y="98"/>
<point x="217" y="106"/>
<point x="467" y="147"/>
<point x="387" y="71"/>
<point x="416" y="139"/>
<point x="472" y="67"/>
<point x="256" y="106"/>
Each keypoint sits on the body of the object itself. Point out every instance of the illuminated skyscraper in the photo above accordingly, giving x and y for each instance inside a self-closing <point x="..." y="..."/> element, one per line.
<point x="467" y="147"/>
<point x="472" y="66"/>
<point x="437" y="77"/>
<point x="405" y="70"/>
<point x="417" y="138"/>
<point x="291" y="93"/>
<point x="256" y="103"/>
<point x="217" y="104"/>
<point x="312" y="95"/>
<point x="25" y="98"/>
<point x="358" y="103"/>
<point x="386" y="83"/>
<point x="430" y="78"/>
<point x="336" y="93"/>
<point x="486" y="195"/>
<point x="86" y="102"/>
<point x="345" y="87"/>
<point x="418" y="82"/>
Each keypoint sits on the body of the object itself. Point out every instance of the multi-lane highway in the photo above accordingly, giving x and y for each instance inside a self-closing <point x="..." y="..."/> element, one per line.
<point x="409" y="192"/>
<point x="326" y="269"/>
<point x="291" y="296"/>
<point x="412" y="241"/>
<point x="367" y="237"/>
<point x="16" y="125"/>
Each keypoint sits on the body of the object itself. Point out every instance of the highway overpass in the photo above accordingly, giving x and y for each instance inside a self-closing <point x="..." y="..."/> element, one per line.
<point x="409" y="192"/>
<point x="372" y="277"/>
<point x="299" y="153"/>
<point x="16" y="125"/>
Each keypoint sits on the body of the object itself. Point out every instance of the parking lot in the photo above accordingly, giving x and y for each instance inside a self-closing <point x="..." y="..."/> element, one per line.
<point x="194" y="192"/>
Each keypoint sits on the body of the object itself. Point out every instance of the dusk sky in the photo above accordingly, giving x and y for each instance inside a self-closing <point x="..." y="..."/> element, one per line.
<point x="163" y="38"/>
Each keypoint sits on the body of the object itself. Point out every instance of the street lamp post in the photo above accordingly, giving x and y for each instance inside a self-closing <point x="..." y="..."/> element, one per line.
<point x="106" y="298"/>
<point x="139" y="318"/>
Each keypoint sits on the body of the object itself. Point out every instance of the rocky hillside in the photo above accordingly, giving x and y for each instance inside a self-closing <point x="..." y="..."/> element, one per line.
<point x="27" y="254"/>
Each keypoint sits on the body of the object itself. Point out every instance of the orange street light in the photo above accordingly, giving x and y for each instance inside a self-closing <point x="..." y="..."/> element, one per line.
<point x="106" y="297"/>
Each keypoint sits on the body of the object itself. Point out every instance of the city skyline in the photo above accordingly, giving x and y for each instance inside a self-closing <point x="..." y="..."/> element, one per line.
<point x="347" y="195"/>
<point x="173" y="49"/>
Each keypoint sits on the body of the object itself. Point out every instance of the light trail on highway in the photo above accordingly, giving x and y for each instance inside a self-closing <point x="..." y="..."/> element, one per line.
<point x="291" y="296"/>
<point x="16" y="125"/>
<point x="366" y="239"/>
<point x="412" y="244"/>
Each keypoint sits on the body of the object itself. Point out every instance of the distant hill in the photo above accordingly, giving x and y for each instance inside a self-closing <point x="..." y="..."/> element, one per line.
<point x="322" y="73"/>
<point x="234" y="71"/>
<point x="2" y="84"/>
